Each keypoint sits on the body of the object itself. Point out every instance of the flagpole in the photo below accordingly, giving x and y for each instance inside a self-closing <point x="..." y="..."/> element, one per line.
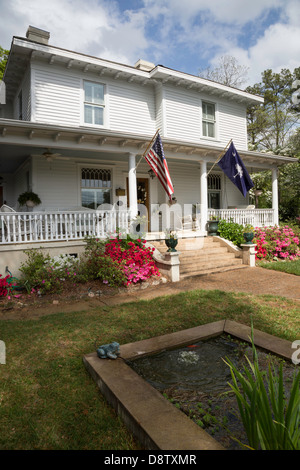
<point x="219" y="157"/>
<point x="149" y="146"/>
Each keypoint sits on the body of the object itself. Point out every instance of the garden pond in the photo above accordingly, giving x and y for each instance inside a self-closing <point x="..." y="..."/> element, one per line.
<point x="195" y="379"/>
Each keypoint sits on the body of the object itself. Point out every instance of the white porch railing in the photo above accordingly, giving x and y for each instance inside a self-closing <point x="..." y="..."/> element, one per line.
<point x="254" y="217"/>
<point x="26" y="227"/>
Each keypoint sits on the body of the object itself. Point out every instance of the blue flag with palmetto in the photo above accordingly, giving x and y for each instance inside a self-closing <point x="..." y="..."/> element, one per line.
<point x="235" y="169"/>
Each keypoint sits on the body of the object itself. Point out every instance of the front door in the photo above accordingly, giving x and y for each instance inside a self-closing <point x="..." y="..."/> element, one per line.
<point x="142" y="186"/>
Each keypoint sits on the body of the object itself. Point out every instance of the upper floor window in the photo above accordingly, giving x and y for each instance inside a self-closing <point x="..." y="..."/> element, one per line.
<point x="208" y="119"/>
<point x="94" y="103"/>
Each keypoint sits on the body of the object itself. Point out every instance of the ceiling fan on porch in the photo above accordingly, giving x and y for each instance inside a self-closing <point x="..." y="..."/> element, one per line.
<point x="49" y="156"/>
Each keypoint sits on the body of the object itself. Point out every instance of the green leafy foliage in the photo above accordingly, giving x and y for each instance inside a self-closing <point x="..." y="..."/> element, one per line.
<point x="231" y="231"/>
<point x="271" y="417"/>
<point x="3" y="59"/>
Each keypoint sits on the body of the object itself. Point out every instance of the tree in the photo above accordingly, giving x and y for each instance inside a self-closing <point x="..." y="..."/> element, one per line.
<point x="3" y="59"/>
<point x="274" y="127"/>
<point x="271" y="125"/>
<point x="228" y="72"/>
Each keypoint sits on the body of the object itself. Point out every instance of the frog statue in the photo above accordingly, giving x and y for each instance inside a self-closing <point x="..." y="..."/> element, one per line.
<point x="109" y="351"/>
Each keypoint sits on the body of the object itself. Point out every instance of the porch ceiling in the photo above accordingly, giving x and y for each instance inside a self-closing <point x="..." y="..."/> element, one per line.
<point x="20" y="139"/>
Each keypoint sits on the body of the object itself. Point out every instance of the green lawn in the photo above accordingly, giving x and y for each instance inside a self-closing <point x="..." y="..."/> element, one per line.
<point x="49" y="401"/>
<point x="290" y="267"/>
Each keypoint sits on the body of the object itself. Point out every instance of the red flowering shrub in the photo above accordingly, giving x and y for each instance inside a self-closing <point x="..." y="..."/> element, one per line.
<point x="4" y="286"/>
<point x="135" y="259"/>
<point x="276" y="242"/>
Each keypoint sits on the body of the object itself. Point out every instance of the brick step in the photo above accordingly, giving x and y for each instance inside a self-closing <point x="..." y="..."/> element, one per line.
<point x="187" y="245"/>
<point x="219" y="269"/>
<point x="206" y="259"/>
<point x="212" y="263"/>
<point x="218" y="249"/>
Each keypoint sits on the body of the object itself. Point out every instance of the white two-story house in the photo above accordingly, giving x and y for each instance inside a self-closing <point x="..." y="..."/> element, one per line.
<point x="74" y="128"/>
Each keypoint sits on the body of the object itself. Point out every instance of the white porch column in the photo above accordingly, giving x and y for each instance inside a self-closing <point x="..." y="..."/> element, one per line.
<point x="275" y="195"/>
<point x="203" y="195"/>
<point x="132" y="189"/>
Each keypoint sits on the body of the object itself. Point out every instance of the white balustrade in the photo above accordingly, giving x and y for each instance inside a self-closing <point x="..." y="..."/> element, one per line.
<point x="254" y="217"/>
<point x="26" y="227"/>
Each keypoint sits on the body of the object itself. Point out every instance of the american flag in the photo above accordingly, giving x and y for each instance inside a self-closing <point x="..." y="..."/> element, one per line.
<point x="156" y="159"/>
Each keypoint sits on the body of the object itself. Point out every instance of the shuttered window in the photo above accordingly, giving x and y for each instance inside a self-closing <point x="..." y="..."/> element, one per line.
<point x="95" y="187"/>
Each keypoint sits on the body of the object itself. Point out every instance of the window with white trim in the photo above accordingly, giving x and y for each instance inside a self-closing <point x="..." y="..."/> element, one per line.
<point x="214" y="188"/>
<point x="95" y="187"/>
<point x="94" y="103"/>
<point x="208" y="119"/>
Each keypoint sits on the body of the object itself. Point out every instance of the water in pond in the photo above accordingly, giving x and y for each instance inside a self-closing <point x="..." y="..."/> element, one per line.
<point x="198" y="366"/>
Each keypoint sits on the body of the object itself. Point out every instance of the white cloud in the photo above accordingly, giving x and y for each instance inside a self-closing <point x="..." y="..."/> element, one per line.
<point x="91" y="27"/>
<point x="185" y="35"/>
<point x="279" y="48"/>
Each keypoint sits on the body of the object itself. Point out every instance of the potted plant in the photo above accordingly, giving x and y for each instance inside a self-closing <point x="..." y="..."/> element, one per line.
<point x="171" y="240"/>
<point x="248" y="234"/>
<point x="212" y="225"/>
<point x="29" y="199"/>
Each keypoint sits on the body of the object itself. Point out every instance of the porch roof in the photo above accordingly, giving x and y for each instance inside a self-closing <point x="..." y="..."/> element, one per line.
<point x="20" y="139"/>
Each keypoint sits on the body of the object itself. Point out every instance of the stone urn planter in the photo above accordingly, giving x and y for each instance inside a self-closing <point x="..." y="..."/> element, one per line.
<point x="171" y="244"/>
<point x="248" y="237"/>
<point x="212" y="227"/>
<point x="171" y="240"/>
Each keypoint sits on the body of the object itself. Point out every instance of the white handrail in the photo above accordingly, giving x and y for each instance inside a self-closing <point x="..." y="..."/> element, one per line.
<point x="24" y="227"/>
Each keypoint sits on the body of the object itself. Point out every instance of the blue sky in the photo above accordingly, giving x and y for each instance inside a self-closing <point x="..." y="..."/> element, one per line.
<point x="187" y="35"/>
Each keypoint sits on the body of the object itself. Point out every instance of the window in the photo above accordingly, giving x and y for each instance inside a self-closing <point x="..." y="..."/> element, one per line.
<point x="208" y="120"/>
<point x="95" y="187"/>
<point x="93" y="103"/>
<point x="214" y="191"/>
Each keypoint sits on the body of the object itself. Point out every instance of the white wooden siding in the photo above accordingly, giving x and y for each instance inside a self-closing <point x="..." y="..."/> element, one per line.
<point x="182" y="114"/>
<point x="232" y="119"/>
<point x="132" y="108"/>
<point x="57" y="97"/>
<point x="26" y="98"/>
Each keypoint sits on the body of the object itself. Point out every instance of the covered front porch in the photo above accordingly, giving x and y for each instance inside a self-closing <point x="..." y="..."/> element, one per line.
<point x="92" y="183"/>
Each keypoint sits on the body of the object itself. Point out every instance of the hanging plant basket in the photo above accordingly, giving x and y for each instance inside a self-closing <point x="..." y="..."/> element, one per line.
<point x="29" y="199"/>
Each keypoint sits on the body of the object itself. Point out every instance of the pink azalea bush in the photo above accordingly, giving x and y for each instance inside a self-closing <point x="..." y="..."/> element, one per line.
<point x="276" y="243"/>
<point x="4" y="286"/>
<point x="134" y="258"/>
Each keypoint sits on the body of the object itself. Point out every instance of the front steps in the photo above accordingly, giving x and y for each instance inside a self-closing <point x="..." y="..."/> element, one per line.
<point x="203" y="255"/>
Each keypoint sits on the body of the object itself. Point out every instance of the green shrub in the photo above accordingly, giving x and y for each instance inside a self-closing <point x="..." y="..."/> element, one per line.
<point x="47" y="274"/>
<point x="94" y="264"/>
<point x="231" y="231"/>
